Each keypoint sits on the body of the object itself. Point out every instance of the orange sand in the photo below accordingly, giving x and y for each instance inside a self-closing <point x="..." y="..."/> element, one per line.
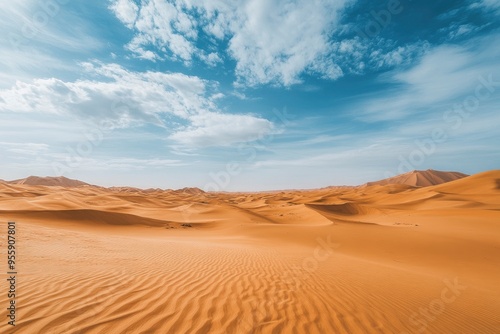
<point x="380" y="258"/>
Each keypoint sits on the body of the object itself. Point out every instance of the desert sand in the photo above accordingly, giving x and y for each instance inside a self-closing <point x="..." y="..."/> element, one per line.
<point x="417" y="255"/>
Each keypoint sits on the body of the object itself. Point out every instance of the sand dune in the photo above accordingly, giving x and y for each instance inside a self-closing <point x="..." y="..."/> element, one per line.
<point x="382" y="258"/>
<point x="60" y="181"/>
<point x="482" y="183"/>
<point x="421" y="178"/>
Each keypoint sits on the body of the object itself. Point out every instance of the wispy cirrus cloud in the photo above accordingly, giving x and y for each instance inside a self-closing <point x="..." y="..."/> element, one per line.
<point x="33" y="41"/>
<point x="121" y="163"/>
<point x="443" y="74"/>
<point x="487" y="4"/>
<point x="24" y="148"/>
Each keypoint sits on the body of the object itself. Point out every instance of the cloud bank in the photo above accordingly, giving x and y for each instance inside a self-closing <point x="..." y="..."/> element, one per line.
<point x="182" y="104"/>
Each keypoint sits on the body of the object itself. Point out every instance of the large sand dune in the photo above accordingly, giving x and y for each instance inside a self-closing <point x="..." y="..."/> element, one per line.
<point x="421" y="178"/>
<point x="382" y="258"/>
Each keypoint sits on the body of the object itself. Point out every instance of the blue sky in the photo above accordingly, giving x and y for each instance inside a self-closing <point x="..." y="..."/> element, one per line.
<point x="247" y="95"/>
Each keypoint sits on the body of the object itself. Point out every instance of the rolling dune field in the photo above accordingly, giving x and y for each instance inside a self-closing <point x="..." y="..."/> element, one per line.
<point x="379" y="258"/>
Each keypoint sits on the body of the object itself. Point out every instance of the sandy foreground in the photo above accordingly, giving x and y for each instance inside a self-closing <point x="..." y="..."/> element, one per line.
<point x="372" y="259"/>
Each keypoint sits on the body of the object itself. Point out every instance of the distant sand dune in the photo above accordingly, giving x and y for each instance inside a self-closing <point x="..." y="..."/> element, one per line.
<point x="421" y="178"/>
<point x="60" y="181"/>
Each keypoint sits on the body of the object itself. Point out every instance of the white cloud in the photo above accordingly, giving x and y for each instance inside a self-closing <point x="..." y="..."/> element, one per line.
<point x="16" y="64"/>
<point x="432" y="78"/>
<point x="36" y="35"/>
<point x="24" y="148"/>
<point x="463" y="29"/>
<point x="487" y="4"/>
<point x="128" y="98"/>
<point x="40" y="25"/>
<point x="278" y="41"/>
<point x="444" y="74"/>
<point x="216" y="129"/>
<point x="128" y="164"/>
<point x="212" y="59"/>
<point x="351" y="154"/>
<point x="126" y="11"/>
<point x="158" y="23"/>
<point x="272" y="42"/>
<point x="358" y="55"/>
<point x="456" y="31"/>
